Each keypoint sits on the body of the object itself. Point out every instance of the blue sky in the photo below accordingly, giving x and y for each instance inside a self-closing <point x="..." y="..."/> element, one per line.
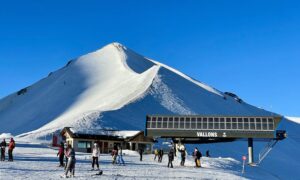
<point x="250" y="48"/>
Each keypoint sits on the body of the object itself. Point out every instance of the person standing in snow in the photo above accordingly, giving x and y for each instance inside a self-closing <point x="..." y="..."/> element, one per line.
<point x="11" y="147"/>
<point x="207" y="153"/>
<point x="95" y="156"/>
<point x="141" y="151"/>
<point x="155" y="154"/>
<point x="65" y="152"/>
<point x="183" y="155"/>
<point x="61" y="154"/>
<point x="120" y="156"/>
<point x="71" y="161"/>
<point x="197" y="155"/>
<point x="114" y="154"/>
<point x="171" y="157"/>
<point x="3" y="146"/>
<point x="160" y="155"/>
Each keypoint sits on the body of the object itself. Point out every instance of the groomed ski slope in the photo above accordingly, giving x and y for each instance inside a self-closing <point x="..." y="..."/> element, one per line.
<point x="34" y="161"/>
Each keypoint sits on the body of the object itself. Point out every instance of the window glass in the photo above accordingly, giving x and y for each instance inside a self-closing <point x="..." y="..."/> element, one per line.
<point x="246" y="123"/>
<point x="187" y="123"/>
<point x="193" y="123"/>
<point x="170" y="122"/>
<point x="222" y="124"/>
<point x="165" y="122"/>
<point x="240" y="123"/>
<point x="271" y="124"/>
<point x="258" y="124"/>
<point x="176" y="123"/>
<point x="252" y="124"/>
<point x="153" y="123"/>
<point x="210" y="123"/>
<point x="216" y="123"/>
<point x="204" y="123"/>
<point x="264" y="124"/>
<point x="81" y="144"/>
<point x="159" y="122"/>
<point x="199" y="122"/>
<point x="228" y="123"/>
<point x="181" y="123"/>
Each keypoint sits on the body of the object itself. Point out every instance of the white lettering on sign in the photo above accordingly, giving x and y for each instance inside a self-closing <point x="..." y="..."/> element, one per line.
<point x="207" y="134"/>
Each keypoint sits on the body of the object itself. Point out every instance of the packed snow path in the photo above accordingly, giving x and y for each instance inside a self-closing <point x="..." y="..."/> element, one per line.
<point x="34" y="161"/>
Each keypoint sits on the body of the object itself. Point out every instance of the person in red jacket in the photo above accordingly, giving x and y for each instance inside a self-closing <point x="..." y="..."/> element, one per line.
<point x="11" y="147"/>
<point x="61" y="154"/>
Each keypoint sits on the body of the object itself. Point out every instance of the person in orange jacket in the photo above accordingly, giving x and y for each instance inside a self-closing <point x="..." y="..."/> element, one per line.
<point x="11" y="147"/>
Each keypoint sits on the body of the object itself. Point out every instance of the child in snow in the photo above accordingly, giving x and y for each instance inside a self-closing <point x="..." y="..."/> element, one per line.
<point x="11" y="147"/>
<point x="71" y="161"/>
<point x="141" y="151"/>
<point x="95" y="155"/>
<point x="3" y="146"/>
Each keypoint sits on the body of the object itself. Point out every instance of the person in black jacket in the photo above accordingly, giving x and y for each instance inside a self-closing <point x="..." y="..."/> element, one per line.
<point x="160" y="155"/>
<point x="171" y="157"/>
<point x="3" y="146"/>
<point x="183" y="155"/>
<point x="141" y="151"/>
<point x="197" y="155"/>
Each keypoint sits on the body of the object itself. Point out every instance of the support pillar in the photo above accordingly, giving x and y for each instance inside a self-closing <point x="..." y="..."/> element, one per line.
<point x="250" y="151"/>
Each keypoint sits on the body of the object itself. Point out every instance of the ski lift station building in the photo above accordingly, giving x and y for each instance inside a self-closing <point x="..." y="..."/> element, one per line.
<point x="210" y="129"/>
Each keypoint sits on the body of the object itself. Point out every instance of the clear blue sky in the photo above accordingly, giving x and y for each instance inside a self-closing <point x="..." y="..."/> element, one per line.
<point x="251" y="48"/>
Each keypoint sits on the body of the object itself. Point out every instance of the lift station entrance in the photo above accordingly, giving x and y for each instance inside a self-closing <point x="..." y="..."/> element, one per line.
<point x="197" y="129"/>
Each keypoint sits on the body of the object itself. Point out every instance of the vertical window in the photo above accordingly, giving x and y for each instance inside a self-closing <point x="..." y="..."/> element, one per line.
<point x="240" y="123"/>
<point x="234" y="123"/>
<point x="199" y="123"/>
<point x="165" y="122"/>
<point x="153" y="123"/>
<point x="252" y="124"/>
<point x="222" y="123"/>
<point x="193" y="123"/>
<point x="210" y="123"/>
<point x="148" y="122"/>
<point x="187" y="123"/>
<point x="159" y="119"/>
<point x="204" y="123"/>
<point x="216" y="123"/>
<point x="176" y="122"/>
<point x="271" y="123"/>
<point x="246" y="123"/>
<point x="181" y="123"/>
<point x="228" y="123"/>
<point x="258" y="124"/>
<point x="171" y="123"/>
<point x="264" y="124"/>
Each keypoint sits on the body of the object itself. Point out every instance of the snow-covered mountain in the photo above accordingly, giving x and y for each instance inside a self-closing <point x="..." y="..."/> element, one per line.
<point x="113" y="87"/>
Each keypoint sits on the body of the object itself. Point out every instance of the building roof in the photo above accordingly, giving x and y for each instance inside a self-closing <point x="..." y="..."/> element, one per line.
<point x="103" y="134"/>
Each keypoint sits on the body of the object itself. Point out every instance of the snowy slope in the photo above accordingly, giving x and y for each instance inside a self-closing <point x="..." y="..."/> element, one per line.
<point x="113" y="87"/>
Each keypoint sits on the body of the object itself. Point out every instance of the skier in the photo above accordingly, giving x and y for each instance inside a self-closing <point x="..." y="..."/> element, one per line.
<point x="120" y="156"/>
<point x="197" y="155"/>
<point x="3" y="146"/>
<point x="207" y="153"/>
<point x="183" y="155"/>
<point x="95" y="155"/>
<point x="114" y="154"/>
<point x="61" y="154"/>
<point x="11" y="147"/>
<point x="155" y="154"/>
<point x="71" y="161"/>
<point x="160" y="155"/>
<point x="141" y="151"/>
<point x="171" y="157"/>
